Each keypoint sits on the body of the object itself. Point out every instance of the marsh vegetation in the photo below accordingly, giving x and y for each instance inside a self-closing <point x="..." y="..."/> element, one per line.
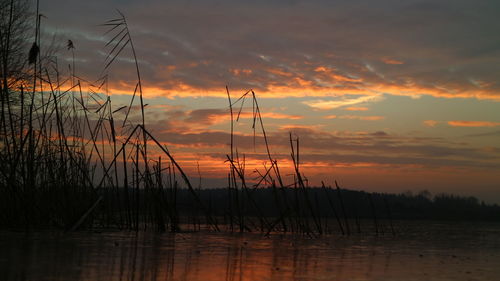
<point x="70" y="159"/>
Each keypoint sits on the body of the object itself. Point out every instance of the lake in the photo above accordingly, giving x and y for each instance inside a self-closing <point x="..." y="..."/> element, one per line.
<point x="419" y="251"/>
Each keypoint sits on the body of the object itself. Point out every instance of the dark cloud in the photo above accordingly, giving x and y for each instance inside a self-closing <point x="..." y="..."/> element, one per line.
<point x="442" y="46"/>
<point x="379" y="134"/>
<point x="487" y="134"/>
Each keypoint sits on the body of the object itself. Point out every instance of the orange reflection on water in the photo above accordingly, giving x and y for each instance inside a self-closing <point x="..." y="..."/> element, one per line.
<point x="429" y="251"/>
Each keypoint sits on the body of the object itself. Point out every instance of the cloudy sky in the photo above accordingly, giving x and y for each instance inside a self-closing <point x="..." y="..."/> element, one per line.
<point x="383" y="95"/>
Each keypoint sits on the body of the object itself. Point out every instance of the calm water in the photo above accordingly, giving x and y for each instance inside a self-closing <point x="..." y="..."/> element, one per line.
<point x="422" y="251"/>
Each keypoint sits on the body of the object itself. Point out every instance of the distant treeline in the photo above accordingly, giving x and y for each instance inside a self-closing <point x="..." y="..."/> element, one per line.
<point x="311" y="210"/>
<point x="359" y="204"/>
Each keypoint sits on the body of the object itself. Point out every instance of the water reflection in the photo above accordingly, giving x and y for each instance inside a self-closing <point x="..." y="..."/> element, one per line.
<point x="212" y="256"/>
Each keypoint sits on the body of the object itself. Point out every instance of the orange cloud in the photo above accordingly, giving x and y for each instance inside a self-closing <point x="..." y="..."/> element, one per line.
<point x="281" y="116"/>
<point x="391" y="61"/>
<point x="198" y="120"/>
<point x="430" y="123"/>
<point x="325" y="105"/>
<point x="366" y="118"/>
<point x="300" y="85"/>
<point x="239" y="72"/>
<point x="460" y="123"/>
<point x="355" y="117"/>
<point x="356" y="108"/>
<point x="334" y="76"/>
<point x="310" y="128"/>
<point x="249" y="115"/>
<point x="320" y="69"/>
<point x="481" y="83"/>
<point x="303" y="82"/>
<point x="279" y="72"/>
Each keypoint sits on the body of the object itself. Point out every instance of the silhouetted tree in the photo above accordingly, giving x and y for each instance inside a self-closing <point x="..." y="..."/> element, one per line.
<point x="14" y="28"/>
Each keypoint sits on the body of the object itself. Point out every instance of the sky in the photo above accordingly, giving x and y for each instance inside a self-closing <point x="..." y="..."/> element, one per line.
<point x="386" y="96"/>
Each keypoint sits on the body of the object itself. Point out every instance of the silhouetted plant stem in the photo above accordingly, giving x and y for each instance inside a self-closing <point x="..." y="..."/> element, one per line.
<point x="374" y="214"/>
<point x="327" y="194"/>
<point x="186" y="180"/>
<point x="389" y="214"/>
<point x="339" y="194"/>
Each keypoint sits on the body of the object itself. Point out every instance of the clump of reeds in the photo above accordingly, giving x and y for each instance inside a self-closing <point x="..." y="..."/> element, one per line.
<point x="297" y="207"/>
<point x="65" y="160"/>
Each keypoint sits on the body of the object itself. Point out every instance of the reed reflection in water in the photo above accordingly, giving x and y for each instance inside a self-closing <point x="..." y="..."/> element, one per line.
<point x="216" y="256"/>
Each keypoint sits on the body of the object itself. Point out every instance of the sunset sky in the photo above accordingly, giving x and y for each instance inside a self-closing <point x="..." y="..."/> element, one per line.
<point x="384" y="95"/>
